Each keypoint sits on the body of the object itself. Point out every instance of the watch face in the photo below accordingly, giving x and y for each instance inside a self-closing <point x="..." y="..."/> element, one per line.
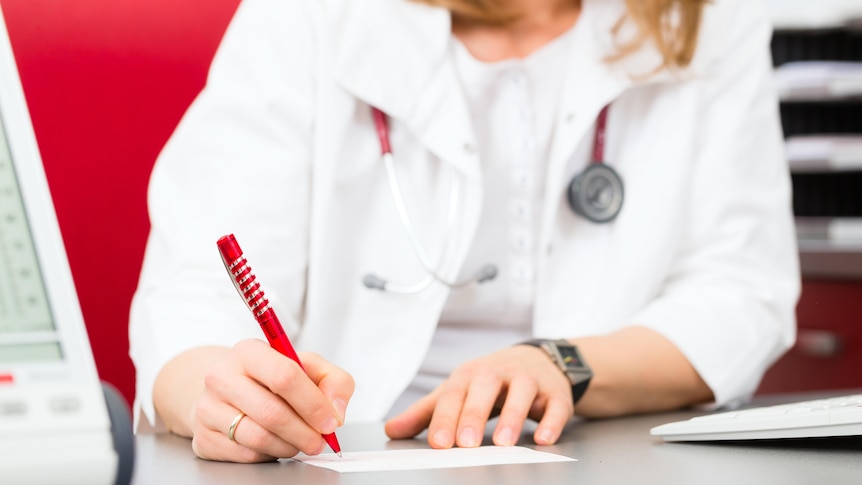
<point x="570" y="356"/>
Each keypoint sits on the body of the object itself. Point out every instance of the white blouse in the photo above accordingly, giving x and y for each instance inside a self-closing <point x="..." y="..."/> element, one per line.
<point x="513" y="105"/>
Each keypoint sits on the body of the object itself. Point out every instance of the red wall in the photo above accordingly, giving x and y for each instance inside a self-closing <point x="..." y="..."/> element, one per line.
<point x="106" y="82"/>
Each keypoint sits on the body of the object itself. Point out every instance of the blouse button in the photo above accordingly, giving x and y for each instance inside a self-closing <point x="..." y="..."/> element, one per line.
<point x="523" y="274"/>
<point x="528" y="144"/>
<point x="518" y="79"/>
<point x="520" y="242"/>
<point x="520" y="210"/>
<point x="522" y="180"/>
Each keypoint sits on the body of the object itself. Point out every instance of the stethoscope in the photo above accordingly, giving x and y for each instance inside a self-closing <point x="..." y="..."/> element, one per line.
<point x="595" y="194"/>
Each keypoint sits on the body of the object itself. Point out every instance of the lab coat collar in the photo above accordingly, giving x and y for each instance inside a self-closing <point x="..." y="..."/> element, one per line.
<point x="591" y="83"/>
<point x="392" y="54"/>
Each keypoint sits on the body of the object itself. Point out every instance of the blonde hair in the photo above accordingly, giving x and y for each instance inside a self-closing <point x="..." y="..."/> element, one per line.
<point x="672" y="26"/>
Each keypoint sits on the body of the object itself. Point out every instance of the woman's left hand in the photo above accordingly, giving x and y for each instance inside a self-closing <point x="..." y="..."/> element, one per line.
<point x="515" y="383"/>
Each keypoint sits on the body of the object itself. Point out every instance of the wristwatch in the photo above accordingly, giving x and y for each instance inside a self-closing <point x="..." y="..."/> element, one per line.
<point x="569" y="360"/>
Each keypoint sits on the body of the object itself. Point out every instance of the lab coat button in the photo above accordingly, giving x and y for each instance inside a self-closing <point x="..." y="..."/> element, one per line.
<point x="518" y="79"/>
<point x="522" y="179"/>
<point x="520" y="242"/>
<point x="520" y="210"/>
<point x="524" y="274"/>
<point x="469" y="149"/>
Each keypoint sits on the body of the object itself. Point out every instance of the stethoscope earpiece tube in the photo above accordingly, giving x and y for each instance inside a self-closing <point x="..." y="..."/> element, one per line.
<point x="596" y="194"/>
<point x="486" y="273"/>
<point x="374" y="282"/>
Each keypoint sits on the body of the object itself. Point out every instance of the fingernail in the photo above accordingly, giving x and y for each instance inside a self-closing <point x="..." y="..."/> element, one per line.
<point x="505" y="437"/>
<point x="467" y="438"/>
<point x="340" y="409"/>
<point x="329" y="426"/>
<point x="545" y="437"/>
<point x="443" y="438"/>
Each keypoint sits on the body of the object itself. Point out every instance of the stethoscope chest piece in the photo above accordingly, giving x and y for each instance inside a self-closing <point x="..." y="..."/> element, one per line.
<point x="596" y="193"/>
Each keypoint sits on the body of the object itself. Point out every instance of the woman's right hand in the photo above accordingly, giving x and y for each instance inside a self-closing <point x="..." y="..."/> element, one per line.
<point x="277" y="409"/>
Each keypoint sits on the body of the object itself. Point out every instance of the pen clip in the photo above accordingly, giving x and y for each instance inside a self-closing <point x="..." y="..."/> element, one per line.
<point x="227" y="266"/>
<point x="241" y="275"/>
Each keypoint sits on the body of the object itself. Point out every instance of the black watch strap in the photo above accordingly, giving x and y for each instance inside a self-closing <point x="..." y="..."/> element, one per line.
<point x="579" y="375"/>
<point x="579" y="389"/>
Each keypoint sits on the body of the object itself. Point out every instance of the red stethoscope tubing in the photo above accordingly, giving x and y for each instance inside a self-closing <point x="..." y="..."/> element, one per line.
<point x="382" y="126"/>
<point x="487" y="272"/>
<point x="599" y="139"/>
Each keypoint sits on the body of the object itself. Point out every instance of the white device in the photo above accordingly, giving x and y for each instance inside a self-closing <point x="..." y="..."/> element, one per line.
<point x="823" y="14"/>
<point x="55" y="425"/>
<point x="820" y="418"/>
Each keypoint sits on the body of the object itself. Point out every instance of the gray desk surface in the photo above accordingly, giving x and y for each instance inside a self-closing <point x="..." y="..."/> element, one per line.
<point x="613" y="451"/>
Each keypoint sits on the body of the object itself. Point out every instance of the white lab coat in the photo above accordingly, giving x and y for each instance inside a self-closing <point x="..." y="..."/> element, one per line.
<point x="280" y="149"/>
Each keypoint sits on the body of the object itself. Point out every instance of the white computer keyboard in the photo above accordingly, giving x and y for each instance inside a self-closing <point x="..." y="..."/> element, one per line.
<point x="838" y="416"/>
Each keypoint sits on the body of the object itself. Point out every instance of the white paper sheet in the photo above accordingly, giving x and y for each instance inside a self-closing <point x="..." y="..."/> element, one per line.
<point x="417" y="459"/>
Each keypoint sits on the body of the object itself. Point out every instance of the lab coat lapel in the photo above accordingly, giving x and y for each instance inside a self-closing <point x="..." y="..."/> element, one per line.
<point x="394" y="57"/>
<point x="392" y="54"/>
<point x="591" y="83"/>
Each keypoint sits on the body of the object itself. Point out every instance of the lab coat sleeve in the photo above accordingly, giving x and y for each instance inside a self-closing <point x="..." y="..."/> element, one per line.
<point x="238" y="162"/>
<point x="728" y="303"/>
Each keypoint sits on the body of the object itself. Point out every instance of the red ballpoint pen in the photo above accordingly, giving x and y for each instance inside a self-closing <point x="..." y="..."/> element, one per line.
<point x="252" y="294"/>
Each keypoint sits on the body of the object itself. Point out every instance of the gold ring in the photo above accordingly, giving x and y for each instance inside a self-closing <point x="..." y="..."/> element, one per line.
<point x="233" y="425"/>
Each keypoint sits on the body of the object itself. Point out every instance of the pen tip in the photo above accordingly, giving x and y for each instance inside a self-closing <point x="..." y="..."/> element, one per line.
<point x="339" y="454"/>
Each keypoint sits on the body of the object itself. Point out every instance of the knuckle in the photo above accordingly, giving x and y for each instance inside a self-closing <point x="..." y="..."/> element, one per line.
<point x="255" y="437"/>
<point x="213" y="379"/>
<point x="211" y="446"/>
<point x="284" y="380"/>
<point x="487" y="376"/>
<point x="527" y="382"/>
<point x="311" y="355"/>
<point x="349" y="383"/>
<point x="311" y="444"/>
<point x="199" y="410"/>
<point x="270" y="413"/>
<point x="245" y="346"/>
<point x="537" y="409"/>
<point x="514" y="407"/>
<point x="247" y="455"/>
<point x="317" y="415"/>
<point x="570" y="408"/>
<point x="468" y="368"/>
<point x="451" y="392"/>
<point x="473" y="415"/>
<point x="564" y="395"/>
<point x="202" y="446"/>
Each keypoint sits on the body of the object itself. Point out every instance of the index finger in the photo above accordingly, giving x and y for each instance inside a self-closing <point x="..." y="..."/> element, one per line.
<point x="335" y="383"/>
<point x="287" y="379"/>
<point x="413" y="420"/>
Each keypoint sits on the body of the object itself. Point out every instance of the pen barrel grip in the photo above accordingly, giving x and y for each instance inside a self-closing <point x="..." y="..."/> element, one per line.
<point x="274" y="332"/>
